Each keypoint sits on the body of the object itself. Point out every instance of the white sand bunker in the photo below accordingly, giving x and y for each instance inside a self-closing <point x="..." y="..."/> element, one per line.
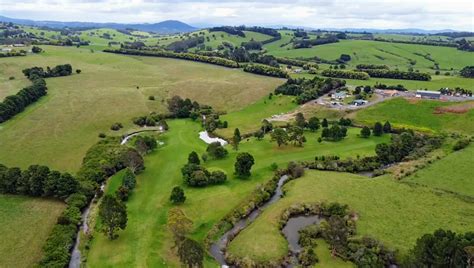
<point x="203" y="135"/>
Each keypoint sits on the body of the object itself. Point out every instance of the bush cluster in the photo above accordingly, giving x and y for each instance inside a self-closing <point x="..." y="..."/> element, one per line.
<point x="198" y="176"/>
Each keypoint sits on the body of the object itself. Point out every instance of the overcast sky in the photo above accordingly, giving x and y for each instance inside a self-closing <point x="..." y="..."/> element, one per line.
<point x="426" y="14"/>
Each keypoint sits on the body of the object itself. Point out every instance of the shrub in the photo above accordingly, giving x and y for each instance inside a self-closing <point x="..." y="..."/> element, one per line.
<point x="116" y="126"/>
<point x="461" y="144"/>
<point x="177" y="195"/>
<point x="152" y="98"/>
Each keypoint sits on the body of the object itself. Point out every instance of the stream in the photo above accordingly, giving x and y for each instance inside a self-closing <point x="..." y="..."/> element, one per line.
<point x="75" y="261"/>
<point x="217" y="249"/>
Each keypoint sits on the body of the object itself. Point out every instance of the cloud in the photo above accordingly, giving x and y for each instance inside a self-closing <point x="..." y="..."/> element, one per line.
<point x="428" y="14"/>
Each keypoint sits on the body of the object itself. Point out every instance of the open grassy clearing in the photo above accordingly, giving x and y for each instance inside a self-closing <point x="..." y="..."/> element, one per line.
<point x="418" y="114"/>
<point x="146" y="241"/>
<point x="452" y="173"/>
<point x="249" y="118"/>
<point x="25" y="223"/>
<point x="11" y="86"/>
<point x="58" y="129"/>
<point x="391" y="54"/>
<point x="395" y="213"/>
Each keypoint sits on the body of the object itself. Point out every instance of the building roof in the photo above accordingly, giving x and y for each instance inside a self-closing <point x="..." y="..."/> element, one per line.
<point x="428" y="92"/>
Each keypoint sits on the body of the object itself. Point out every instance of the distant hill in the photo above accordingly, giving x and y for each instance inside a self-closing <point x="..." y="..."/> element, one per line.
<point x="164" y="27"/>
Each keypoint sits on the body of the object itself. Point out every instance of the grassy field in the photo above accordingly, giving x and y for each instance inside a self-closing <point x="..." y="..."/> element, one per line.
<point x="391" y="54"/>
<point x="452" y="173"/>
<point x="418" y="114"/>
<point x="11" y="86"/>
<point x="216" y="38"/>
<point x="392" y="212"/>
<point x="25" y="223"/>
<point x="249" y="118"/>
<point x="146" y="241"/>
<point x="58" y="129"/>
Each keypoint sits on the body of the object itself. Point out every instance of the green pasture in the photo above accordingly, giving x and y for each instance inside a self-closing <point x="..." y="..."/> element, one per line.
<point x="392" y="212"/>
<point x="58" y="129"/>
<point x="25" y="223"/>
<point x="418" y="114"/>
<point x="146" y="241"/>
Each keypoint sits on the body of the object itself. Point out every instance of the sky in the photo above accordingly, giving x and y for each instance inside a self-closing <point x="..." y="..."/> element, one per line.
<point x="380" y="14"/>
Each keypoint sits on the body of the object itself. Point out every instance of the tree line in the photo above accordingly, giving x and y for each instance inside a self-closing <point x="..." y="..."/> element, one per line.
<point x="184" y="45"/>
<point x="14" y="104"/>
<point x="168" y="54"/>
<point x="346" y="74"/>
<point x="265" y="70"/>
<point x="396" y="74"/>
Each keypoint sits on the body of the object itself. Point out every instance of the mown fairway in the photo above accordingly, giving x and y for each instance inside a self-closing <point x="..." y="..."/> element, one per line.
<point x="395" y="213"/>
<point x="419" y="114"/>
<point x="146" y="241"/>
<point x="392" y="54"/>
<point x="25" y="223"/>
<point x="58" y="129"/>
<point x="452" y="173"/>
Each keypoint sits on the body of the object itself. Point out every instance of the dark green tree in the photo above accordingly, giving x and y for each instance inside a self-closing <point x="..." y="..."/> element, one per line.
<point x="113" y="215"/>
<point x="236" y="139"/>
<point x="193" y="158"/>
<point x="190" y="253"/>
<point x="313" y="123"/>
<point x="243" y="164"/>
<point x="216" y="150"/>
<point x="300" y="121"/>
<point x="365" y="132"/>
<point x="177" y="195"/>
<point x="325" y="123"/>
<point x="387" y="128"/>
<point x="378" y="129"/>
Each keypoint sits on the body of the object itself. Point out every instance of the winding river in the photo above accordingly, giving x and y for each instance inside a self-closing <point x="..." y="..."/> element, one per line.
<point x="75" y="261"/>
<point x="218" y="248"/>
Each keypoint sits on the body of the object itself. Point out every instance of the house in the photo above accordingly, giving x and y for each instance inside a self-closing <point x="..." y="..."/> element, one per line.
<point x="338" y="95"/>
<point x="426" y="94"/>
<point x="359" y="102"/>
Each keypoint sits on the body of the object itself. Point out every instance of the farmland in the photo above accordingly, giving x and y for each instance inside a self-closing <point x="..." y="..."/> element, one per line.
<point x="59" y="128"/>
<point x="141" y="244"/>
<point x="25" y="224"/>
<point x="80" y="109"/>
<point x="383" y="206"/>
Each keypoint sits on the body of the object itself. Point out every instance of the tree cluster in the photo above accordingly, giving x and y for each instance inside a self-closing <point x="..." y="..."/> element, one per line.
<point x="396" y="74"/>
<point x="398" y="87"/>
<point x="197" y="176"/>
<point x="265" y="70"/>
<point x="456" y="91"/>
<point x="308" y="89"/>
<point x="334" y="133"/>
<point x="308" y="43"/>
<point x="184" y="45"/>
<point x="346" y="74"/>
<point x="128" y="184"/>
<point x="37" y="181"/>
<point x="371" y="66"/>
<point x="467" y="71"/>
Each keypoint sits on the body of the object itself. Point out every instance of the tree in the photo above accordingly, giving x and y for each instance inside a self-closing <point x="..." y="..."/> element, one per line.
<point x="36" y="49"/>
<point x="378" y="129"/>
<point x="296" y="135"/>
<point x="193" y="158"/>
<point x="266" y="126"/>
<point x="236" y="139"/>
<point x="325" y="123"/>
<point x="216" y="150"/>
<point x="113" y="215"/>
<point x="280" y="136"/>
<point x="365" y="132"/>
<point x="177" y="195"/>
<point x="387" y="128"/>
<point x="259" y="134"/>
<point x="313" y="123"/>
<point x="300" y="120"/>
<point x="190" y="253"/>
<point x="243" y="164"/>
<point x="443" y="248"/>
<point x="129" y="179"/>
